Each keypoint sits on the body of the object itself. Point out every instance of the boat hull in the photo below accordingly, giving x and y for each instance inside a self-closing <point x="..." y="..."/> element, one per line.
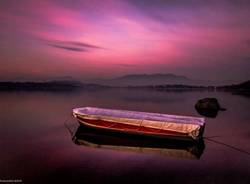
<point x="173" y="127"/>
<point x="134" y="131"/>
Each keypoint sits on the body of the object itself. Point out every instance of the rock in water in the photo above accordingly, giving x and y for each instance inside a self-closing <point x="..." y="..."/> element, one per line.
<point x="208" y="107"/>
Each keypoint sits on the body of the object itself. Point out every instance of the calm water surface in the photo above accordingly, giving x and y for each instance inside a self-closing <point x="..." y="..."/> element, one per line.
<point x="36" y="147"/>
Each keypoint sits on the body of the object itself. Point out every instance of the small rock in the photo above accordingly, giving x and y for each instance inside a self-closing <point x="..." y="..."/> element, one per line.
<point x="208" y="107"/>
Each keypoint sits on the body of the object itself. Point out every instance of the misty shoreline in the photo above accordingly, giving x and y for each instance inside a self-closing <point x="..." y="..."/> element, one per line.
<point x="243" y="88"/>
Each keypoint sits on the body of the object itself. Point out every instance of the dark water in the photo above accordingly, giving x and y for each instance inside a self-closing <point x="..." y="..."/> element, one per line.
<point x="36" y="147"/>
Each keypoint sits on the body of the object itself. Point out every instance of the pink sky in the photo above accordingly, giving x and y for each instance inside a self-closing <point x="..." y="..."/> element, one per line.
<point x="91" y="39"/>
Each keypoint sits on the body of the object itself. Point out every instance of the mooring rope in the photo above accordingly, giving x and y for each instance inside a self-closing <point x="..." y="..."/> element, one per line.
<point x="67" y="127"/>
<point x="227" y="145"/>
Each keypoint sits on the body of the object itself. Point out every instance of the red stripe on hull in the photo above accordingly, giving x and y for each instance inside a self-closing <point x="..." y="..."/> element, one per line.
<point x="128" y="128"/>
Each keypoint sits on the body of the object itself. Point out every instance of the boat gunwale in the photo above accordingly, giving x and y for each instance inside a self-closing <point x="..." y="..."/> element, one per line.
<point x="144" y="115"/>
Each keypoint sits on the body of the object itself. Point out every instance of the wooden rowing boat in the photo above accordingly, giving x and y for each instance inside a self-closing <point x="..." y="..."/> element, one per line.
<point x="96" y="138"/>
<point x="143" y="123"/>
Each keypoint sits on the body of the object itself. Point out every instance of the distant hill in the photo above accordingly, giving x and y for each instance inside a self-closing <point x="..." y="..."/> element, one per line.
<point x="144" y="80"/>
<point x="153" y="82"/>
<point x="48" y="86"/>
<point x="237" y="89"/>
<point x="173" y="88"/>
<point x="157" y="76"/>
<point x="244" y="86"/>
<point x="241" y="86"/>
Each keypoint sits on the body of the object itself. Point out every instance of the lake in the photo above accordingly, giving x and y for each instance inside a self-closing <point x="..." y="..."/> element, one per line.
<point x="37" y="147"/>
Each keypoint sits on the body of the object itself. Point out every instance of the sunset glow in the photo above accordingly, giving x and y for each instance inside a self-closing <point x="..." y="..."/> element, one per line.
<point x="91" y="39"/>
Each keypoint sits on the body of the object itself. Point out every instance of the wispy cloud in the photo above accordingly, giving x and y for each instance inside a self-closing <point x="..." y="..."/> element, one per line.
<point x="76" y="49"/>
<point x="72" y="45"/>
<point x="81" y="44"/>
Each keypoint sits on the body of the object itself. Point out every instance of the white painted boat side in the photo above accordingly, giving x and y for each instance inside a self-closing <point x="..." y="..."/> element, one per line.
<point x="139" y="115"/>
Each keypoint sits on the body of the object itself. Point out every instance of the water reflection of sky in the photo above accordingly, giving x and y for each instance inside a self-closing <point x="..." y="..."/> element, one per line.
<point x="35" y="143"/>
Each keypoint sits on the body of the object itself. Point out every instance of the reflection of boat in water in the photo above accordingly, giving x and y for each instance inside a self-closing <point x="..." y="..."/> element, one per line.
<point x="142" y="123"/>
<point x="135" y="143"/>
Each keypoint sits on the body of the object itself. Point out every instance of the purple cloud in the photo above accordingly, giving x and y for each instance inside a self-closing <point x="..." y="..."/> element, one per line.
<point x="72" y="45"/>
